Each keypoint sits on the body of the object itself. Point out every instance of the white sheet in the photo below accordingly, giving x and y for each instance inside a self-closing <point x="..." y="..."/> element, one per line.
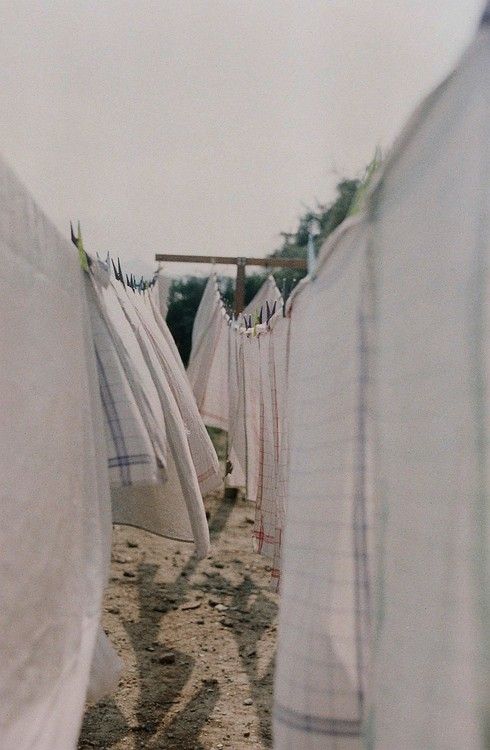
<point x="55" y="509"/>
<point x="322" y="662"/>
<point x="429" y="261"/>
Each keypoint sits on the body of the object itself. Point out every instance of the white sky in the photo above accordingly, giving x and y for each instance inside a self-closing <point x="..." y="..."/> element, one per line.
<point x="206" y="126"/>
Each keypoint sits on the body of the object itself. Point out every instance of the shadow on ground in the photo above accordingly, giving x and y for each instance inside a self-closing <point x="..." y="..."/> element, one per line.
<point x="160" y="681"/>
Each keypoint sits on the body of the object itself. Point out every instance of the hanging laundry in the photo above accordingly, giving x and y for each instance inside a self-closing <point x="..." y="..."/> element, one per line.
<point x="160" y="291"/>
<point x="252" y="410"/>
<point x="183" y="496"/>
<point x="201" y="447"/>
<point x="237" y="450"/>
<point x="208" y="361"/>
<point x="429" y="257"/>
<point x="55" y="527"/>
<point x="134" y="365"/>
<point x="268" y="292"/>
<point x="324" y="634"/>
<point x="270" y="500"/>
<point x="130" y="455"/>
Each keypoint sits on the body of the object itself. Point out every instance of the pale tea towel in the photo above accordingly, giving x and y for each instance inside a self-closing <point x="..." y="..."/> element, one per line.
<point x="160" y="291"/>
<point x="252" y="411"/>
<point x="186" y="491"/>
<point x="270" y="502"/>
<point x="208" y="362"/>
<point x="268" y="292"/>
<point x="135" y="367"/>
<point x="106" y="669"/>
<point x="201" y="447"/>
<point x="150" y="303"/>
<point x="130" y="455"/>
<point x="265" y="525"/>
<point x="159" y="508"/>
<point x="55" y="509"/>
<point x="324" y="631"/>
<point x="236" y="411"/>
<point x="429" y="259"/>
<point x="279" y="366"/>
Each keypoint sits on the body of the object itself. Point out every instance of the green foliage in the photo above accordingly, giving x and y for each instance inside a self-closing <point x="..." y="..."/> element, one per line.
<point x="186" y="293"/>
<point x="184" y="297"/>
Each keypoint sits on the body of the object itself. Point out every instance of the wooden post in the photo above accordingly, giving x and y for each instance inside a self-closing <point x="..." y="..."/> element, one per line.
<point x="240" y="286"/>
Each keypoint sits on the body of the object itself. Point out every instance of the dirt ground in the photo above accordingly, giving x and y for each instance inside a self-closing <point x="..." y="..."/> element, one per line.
<point x="197" y="640"/>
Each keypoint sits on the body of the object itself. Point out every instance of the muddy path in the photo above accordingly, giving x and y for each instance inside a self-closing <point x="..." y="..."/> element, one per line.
<point x="197" y="640"/>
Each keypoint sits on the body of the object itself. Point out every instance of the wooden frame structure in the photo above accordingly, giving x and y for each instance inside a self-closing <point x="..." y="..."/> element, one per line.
<point x="240" y="262"/>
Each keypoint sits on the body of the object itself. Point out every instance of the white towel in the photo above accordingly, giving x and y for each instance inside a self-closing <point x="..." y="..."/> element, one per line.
<point x="55" y="508"/>
<point x="208" y="362"/>
<point x="184" y="494"/>
<point x="202" y="451"/>
<point x="130" y="455"/>
<point x="268" y="292"/>
<point x="135" y="367"/>
<point x="323" y="649"/>
<point x="430" y="288"/>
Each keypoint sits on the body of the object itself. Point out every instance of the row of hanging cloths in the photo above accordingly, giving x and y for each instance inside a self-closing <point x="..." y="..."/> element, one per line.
<point x="160" y="457"/>
<point x="238" y="371"/>
<point x="258" y="438"/>
<point x="96" y="403"/>
<point x="384" y="634"/>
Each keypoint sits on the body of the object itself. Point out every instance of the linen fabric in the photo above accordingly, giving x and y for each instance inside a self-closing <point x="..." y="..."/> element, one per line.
<point x="130" y="455"/>
<point x="135" y="367"/>
<point x="272" y="459"/>
<point x="182" y="494"/>
<point x="208" y="362"/>
<point x="237" y="451"/>
<point x="324" y="633"/>
<point x="268" y="292"/>
<point x="429" y="260"/>
<point x="201" y="447"/>
<point x="55" y="509"/>
<point x="160" y="292"/>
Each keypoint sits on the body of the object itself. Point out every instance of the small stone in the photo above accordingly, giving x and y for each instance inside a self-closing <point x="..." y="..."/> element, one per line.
<point x="200" y="622"/>
<point x="221" y="608"/>
<point x="114" y="610"/>
<point x="218" y="565"/>
<point x="160" y="608"/>
<point x="246" y="734"/>
<point x="132" y="545"/>
<point x="251" y="652"/>
<point x="250" y="520"/>
<point x="226" y="622"/>
<point x="213" y="602"/>
<point x="150" y="648"/>
<point x="129" y="574"/>
<point x="248" y="702"/>
<point x="168" y="658"/>
<point x="191" y="605"/>
<point x="122" y="560"/>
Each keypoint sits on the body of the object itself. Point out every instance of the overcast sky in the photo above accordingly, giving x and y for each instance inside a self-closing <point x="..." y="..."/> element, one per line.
<point x="205" y="126"/>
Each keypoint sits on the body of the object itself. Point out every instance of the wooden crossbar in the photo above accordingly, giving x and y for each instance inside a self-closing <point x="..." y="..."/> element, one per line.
<point x="240" y="262"/>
